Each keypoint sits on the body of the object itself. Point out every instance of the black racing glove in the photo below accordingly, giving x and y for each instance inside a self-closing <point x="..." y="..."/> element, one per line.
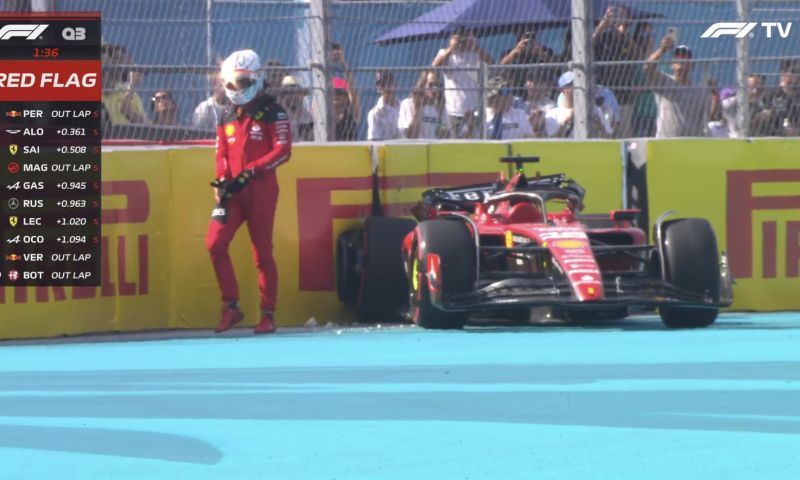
<point x="222" y="189"/>
<point x="226" y="188"/>
<point x="237" y="184"/>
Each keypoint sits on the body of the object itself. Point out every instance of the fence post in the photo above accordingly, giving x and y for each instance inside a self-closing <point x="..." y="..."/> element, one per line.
<point x="321" y="100"/>
<point x="742" y="67"/>
<point x="581" y="58"/>
<point x="482" y="76"/>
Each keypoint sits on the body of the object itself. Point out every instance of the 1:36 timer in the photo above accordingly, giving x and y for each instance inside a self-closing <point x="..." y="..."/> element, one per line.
<point x="45" y="52"/>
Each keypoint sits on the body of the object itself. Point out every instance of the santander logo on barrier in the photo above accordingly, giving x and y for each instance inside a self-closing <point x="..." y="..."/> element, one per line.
<point x="29" y="31"/>
<point x="742" y="205"/>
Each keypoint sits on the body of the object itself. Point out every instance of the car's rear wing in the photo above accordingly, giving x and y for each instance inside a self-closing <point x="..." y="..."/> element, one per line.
<point x="461" y="198"/>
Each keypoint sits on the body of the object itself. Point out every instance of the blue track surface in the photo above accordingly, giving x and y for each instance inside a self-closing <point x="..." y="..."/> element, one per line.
<point x="618" y="400"/>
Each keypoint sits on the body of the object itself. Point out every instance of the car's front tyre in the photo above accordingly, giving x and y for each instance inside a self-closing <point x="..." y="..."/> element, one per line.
<point x="452" y="243"/>
<point x="691" y="261"/>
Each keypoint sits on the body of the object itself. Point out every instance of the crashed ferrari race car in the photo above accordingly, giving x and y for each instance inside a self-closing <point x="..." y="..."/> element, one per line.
<point x="521" y="243"/>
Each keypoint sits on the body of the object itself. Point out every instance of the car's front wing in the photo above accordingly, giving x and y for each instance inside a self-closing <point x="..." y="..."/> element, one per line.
<point x="518" y="291"/>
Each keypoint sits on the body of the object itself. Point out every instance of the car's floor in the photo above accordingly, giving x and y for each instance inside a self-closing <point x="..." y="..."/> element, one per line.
<point x="616" y="400"/>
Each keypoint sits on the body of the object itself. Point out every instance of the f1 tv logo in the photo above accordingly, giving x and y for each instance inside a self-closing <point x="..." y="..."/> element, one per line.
<point x="741" y="206"/>
<point x="30" y="32"/>
<point x="745" y="29"/>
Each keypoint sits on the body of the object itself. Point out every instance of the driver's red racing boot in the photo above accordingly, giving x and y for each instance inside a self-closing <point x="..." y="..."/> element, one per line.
<point x="231" y="315"/>
<point x="266" y="325"/>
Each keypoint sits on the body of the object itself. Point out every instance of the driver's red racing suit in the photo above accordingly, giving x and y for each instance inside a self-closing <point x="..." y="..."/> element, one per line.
<point x="258" y="138"/>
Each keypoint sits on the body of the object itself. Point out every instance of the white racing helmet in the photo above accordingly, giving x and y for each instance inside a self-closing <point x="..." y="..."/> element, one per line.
<point x="240" y="76"/>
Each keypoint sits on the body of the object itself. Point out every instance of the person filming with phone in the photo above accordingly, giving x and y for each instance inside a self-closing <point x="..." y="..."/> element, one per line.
<point x="682" y="107"/>
<point x="461" y="88"/>
<point x="612" y="42"/>
<point x="527" y="51"/>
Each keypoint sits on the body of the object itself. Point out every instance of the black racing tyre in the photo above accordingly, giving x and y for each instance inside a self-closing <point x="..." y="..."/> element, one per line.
<point x="455" y="246"/>
<point x="692" y="264"/>
<point x="348" y="280"/>
<point x="383" y="288"/>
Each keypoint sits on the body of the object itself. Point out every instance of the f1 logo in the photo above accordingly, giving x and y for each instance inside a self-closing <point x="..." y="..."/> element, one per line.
<point x="745" y="29"/>
<point x="30" y="32"/>
<point x="77" y="33"/>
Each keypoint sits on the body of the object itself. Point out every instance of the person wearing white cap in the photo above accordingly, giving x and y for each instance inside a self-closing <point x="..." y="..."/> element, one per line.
<point x="558" y="121"/>
<point x="292" y="96"/>
<point x="253" y="138"/>
<point x="603" y="114"/>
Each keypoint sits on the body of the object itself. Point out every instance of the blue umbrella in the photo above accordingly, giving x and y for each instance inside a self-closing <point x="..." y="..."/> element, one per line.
<point x="492" y="17"/>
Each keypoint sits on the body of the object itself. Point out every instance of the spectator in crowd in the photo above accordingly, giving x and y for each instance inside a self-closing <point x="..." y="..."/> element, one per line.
<point x="422" y="114"/>
<point x="339" y="69"/>
<point x="338" y="65"/>
<point x="781" y="115"/>
<point x="681" y="106"/>
<point x="208" y="112"/>
<point x="382" y="119"/>
<point x="603" y="114"/>
<point x="790" y="65"/>
<point x="461" y="86"/>
<point x="527" y="51"/>
<point x="559" y="120"/>
<point x="729" y="110"/>
<point x="503" y="120"/>
<point x="165" y="108"/>
<point x="755" y="92"/>
<point x="123" y="104"/>
<point x="346" y="123"/>
<point x="642" y="40"/>
<point x="759" y="121"/>
<point x="722" y="116"/>
<point x="724" y="110"/>
<point x="645" y="110"/>
<point x="538" y="100"/>
<point x="276" y="71"/>
<point x="612" y="42"/>
<point x="716" y="126"/>
<point x="292" y="98"/>
<point x="538" y="91"/>
<point x="605" y="108"/>
<point x="253" y="139"/>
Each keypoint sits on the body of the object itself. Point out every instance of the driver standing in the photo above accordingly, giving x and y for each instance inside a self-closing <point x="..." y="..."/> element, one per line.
<point x="253" y="138"/>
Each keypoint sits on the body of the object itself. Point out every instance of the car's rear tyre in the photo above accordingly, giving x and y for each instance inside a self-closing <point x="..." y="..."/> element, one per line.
<point x="453" y="243"/>
<point x="691" y="260"/>
<point x="383" y="289"/>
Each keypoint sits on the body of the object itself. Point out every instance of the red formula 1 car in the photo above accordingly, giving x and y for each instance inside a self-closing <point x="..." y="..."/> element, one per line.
<point x="521" y="243"/>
